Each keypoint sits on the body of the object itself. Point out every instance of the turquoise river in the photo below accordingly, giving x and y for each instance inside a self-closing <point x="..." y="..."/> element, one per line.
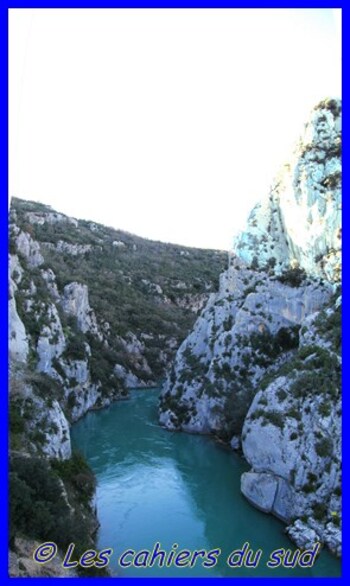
<point x="175" y="488"/>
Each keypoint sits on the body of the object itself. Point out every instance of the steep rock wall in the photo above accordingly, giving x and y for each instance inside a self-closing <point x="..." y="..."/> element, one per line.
<point x="261" y="367"/>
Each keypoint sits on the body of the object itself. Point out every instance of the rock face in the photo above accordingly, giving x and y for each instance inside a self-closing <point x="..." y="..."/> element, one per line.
<point x="67" y="248"/>
<point x="89" y="318"/>
<point x="243" y="333"/>
<point x="299" y="221"/>
<point x="260" y="489"/>
<point x="44" y="428"/>
<point x="51" y="342"/>
<point x="18" y="342"/>
<point x="57" y="349"/>
<point x="56" y="442"/>
<point x="29" y="249"/>
<point x="22" y="564"/>
<point x="292" y="434"/>
<point x="75" y="302"/>
<point x="261" y="367"/>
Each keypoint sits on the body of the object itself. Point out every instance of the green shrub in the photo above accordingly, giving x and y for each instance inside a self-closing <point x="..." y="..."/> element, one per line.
<point x="58" y="367"/>
<point x="77" y="472"/>
<point x="281" y="394"/>
<point x="294" y="413"/>
<point x="237" y="401"/>
<point x="329" y="326"/>
<point x="75" y="348"/>
<point x="16" y="418"/>
<point x="275" y="417"/>
<point x="325" y="409"/>
<point x="38" y="507"/>
<point x="287" y="338"/>
<point x="249" y="290"/>
<point x="329" y="104"/>
<point x="45" y="386"/>
<point x="293" y="277"/>
<point x="36" y="502"/>
<point x="324" y="447"/>
<point x="319" y="511"/>
<point x="228" y="323"/>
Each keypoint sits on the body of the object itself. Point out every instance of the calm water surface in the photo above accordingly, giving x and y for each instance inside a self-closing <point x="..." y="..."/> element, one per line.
<point x="154" y="485"/>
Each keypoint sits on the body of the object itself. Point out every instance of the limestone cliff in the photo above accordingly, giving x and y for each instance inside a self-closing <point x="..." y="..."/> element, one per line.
<point x="98" y="309"/>
<point x="292" y="437"/>
<point x="299" y="222"/>
<point x="52" y="365"/>
<point x="261" y="366"/>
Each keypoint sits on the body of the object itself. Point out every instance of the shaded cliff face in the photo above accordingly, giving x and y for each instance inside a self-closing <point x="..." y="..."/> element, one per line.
<point x="259" y="369"/>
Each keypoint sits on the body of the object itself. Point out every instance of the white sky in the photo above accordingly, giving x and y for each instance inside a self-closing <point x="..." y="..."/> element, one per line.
<point x="166" y="123"/>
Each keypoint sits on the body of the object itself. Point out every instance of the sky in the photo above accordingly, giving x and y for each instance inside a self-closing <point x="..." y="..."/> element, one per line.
<point x="169" y="124"/>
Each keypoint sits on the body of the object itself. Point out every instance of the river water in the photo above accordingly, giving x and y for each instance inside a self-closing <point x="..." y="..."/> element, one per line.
<point x="175" y="488"/>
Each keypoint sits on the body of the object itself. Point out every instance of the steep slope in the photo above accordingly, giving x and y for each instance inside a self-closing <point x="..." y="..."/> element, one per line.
<point x="259" y="357"/>
<point x="92" y="312"/>
<point x="96" y="309"/>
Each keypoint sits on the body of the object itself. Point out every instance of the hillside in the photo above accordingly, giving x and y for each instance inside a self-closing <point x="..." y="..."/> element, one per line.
<point x="93" y="312"/>
<point x="97" y="307"/>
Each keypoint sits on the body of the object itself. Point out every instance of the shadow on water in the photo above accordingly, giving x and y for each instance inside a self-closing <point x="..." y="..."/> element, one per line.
<point x="175" y="488"/>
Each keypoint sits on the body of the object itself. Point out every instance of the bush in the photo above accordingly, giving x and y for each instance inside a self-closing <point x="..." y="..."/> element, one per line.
<point x="228" y="323"/>
<point x="235" y="409"/>
<point x="319" y="511"/>
<point x="16" y="418"/>
<point x="324" y="447"/>
<point x="36" y="501"/>
<point x="275" y="417"/>
<point x="293" y="277"/>
<point x="194" y="362"/>
<point x="77" y="472"/>
<point x="72" y="400"/>
<point x="58" y="367"/>
<point x="287" y="338"/>
<point x="45" y="386"/>
<point x="294" y="413"/>
<point x="329" y="104"/>
<point x="330" y="327"/>
<point x="324" y="409"/>
<point x="75" y="348"/>
<point x="281" y="394"/>
<point x="249" y="290"/>
<point x="38" y="507"/>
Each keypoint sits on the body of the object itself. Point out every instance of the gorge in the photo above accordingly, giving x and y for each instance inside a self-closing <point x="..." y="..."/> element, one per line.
<point x="250" y="353"/>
